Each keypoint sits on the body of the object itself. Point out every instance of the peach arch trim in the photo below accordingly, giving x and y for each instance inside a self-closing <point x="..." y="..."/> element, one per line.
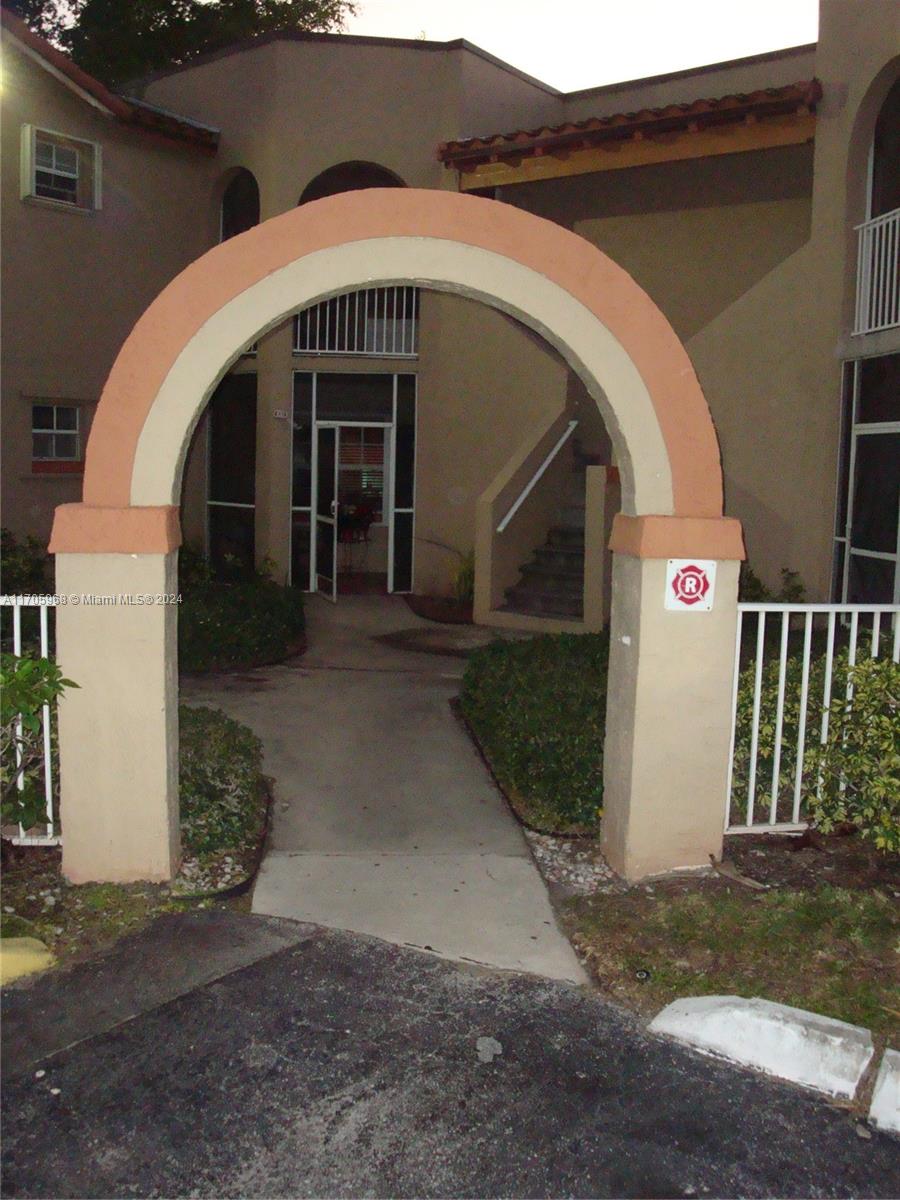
<point x="562" y="257"/>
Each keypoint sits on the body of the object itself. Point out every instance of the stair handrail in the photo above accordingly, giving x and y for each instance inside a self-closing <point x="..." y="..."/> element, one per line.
<point x="536" y="477"/>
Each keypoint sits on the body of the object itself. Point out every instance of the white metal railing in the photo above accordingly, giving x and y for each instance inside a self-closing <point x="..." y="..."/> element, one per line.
<point x="768" y="761"/>
<point x="878" y="274"/>
<point x="381" y="322"/>
<point x="50" y="836"/>
<point x="537" y="476"/>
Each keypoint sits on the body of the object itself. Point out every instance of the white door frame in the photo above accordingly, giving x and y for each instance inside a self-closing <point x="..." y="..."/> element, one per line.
<point x="331" y="519"/>
<point x="387" y="509"/>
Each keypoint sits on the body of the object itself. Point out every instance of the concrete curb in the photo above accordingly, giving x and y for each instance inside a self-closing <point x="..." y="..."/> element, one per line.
<point x="816" y="1052"/>
<point x="884" y="1112"/>
<point x="22" y="956"/>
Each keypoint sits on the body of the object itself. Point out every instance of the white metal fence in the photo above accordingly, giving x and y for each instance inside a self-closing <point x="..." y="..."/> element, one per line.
<point x="381" y="321"/>
<point x="785" y="671"/>
<point x="47" y="833"/>
<point x="878" y="274"/>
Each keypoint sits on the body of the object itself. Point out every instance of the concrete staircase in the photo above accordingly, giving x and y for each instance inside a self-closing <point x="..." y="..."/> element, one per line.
<point x="552" y="582"/>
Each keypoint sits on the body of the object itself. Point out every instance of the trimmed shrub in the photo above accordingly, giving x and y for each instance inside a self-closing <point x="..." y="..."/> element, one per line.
<point x="239" y="622"/>
<point x="220" y="781"/>
<point x="752" y="589"/>
<point x="27" y="683"/>
<point x="27" y="568"/>
<point x="538" y="708"/>
<point x="854" y="777"/>
<point x="859" y="765"/>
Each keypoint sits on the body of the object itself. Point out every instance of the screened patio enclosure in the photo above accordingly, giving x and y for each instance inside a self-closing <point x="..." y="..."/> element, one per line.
<point x="352" y="479"/>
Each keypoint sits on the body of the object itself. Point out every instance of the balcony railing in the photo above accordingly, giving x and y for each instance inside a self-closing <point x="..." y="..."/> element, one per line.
<point x="878" y="274"/>
<point x="381" y="321"/>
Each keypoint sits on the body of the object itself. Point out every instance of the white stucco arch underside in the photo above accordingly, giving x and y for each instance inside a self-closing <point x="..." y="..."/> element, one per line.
<point x="443" y="265"/>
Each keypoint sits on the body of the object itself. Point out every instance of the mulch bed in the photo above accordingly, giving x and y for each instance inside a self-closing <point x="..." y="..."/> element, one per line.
<point x="441" y="608"/>
<point x="812" y="859"/>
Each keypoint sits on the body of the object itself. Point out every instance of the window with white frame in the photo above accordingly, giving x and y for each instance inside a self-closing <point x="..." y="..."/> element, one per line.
<point x="55" y="433"/>
<point x="59" y="169"/>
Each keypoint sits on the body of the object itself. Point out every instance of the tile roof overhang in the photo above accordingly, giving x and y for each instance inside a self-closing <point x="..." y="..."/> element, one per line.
<point x="470" y="154"/>
<point x="134" y="113"/>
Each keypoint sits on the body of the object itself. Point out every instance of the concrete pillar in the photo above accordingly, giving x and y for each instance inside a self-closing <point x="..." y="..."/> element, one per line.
<point x="602" y="502"/>
<point x="668" y="721"/>
<point x="116" y="637"/>
<point x="274" y="395"/>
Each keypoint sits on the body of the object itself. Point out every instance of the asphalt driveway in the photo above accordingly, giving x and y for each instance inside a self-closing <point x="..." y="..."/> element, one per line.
<point x="217" y="1054"/>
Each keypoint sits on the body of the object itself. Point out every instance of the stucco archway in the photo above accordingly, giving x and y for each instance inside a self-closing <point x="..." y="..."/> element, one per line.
<point x="123" y="538"/>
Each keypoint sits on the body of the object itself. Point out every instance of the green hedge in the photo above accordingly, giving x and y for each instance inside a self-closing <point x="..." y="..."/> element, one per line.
<point x="220" y="782"/>
<point x="27" y="567"/>
<point x="27" y="683"/>
<point x="538" y="708"/>
<point x="854" y="778"/>
<point x="228" y="623"/>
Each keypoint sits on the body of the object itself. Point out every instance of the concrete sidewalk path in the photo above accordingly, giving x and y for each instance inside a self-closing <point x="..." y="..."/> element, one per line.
<point x="386" y="819"/>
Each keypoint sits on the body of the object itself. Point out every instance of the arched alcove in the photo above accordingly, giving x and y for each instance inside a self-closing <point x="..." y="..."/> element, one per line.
<point x="349" y="177"/>
<point x="240" y="204"/>
<point x="667" y="737"/>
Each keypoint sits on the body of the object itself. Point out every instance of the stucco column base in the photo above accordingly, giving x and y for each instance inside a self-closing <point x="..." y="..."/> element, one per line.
<point x="668" y="725"/>
<point x="118" y="732"/>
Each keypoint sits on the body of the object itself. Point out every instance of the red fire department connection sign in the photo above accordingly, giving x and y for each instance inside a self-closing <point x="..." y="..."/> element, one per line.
<point x="690" y="584"/>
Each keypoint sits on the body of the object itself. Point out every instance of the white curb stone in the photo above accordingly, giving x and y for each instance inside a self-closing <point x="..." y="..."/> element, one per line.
<point x="803" y="1047"/>
<point x="884" y="1112"/>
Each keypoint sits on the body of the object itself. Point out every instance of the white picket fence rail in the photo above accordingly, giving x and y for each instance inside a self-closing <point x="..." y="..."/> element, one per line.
<point x="50" y="836"/>
<point x="878" y="274"/>
<point x="762" y="803"/>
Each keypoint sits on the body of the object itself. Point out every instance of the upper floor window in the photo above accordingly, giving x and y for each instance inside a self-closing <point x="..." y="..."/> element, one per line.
<point x="56" y="437"/>
<point x="59" y="169"/>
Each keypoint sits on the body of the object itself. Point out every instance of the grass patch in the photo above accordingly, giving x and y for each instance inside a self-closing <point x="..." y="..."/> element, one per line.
<point x="831" y="950"/>
<point x="73" y="920"/>
<point x="223" y="810"/>
<point x="538" y="708"/>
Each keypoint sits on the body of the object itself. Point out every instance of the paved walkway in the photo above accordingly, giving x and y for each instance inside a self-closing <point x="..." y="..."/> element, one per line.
<point x="386" y="820"/>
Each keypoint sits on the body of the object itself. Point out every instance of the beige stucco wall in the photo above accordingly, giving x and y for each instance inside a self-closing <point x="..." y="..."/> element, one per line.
<point x="287" y="113"/>
<point x="494" y="98"/>
<point x="858" y="58"/>
<point x="683" y="87"/>
<point x="74" y="283"/>
<point x="720" y="251"/>
<point x="484" y="381"/>
<point x="770" y="363"/>
<point x="708" y="241"/>
<point x="480" y="377"/>
<point x="753" y="259"/>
